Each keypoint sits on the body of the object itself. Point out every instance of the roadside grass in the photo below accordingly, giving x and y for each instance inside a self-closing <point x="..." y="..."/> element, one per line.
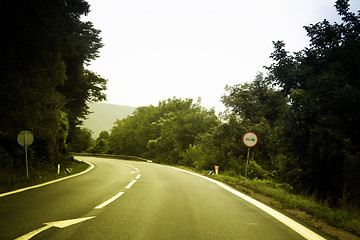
<point x="14" y="179"/>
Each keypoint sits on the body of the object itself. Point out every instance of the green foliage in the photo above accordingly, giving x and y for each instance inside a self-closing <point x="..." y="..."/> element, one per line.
<point x="101" y="144"/>
<point x="45" y="87"/>
<point x="193" y="157"/>
<point x="323" y="84"/>
<point x="255" y="101"/>
<point x="258" y="107"/>
<point x="219" y="148"/>
<point x="255" y="171"/>
<point x="162" y="133"/>
<point x="82" y="140"/>
<point x="130" y="136"/>
<point x="179" y="128"/>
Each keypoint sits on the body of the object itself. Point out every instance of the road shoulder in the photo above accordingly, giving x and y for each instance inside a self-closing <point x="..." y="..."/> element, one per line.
<point x="71" y="174"/>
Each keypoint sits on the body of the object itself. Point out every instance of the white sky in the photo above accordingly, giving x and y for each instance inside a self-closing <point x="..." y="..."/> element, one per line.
<point x="157" y="49"/>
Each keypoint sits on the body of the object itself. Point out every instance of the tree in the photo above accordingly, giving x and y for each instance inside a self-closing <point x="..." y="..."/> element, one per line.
<point x="182" y="123"/>
<point x="101" y="144"/>
<point x="44" y="86"/>
<point x="323" y="83"/>
<point x="255" y="101"/>
<point x="163" y="132"/>
<point x="260" y="108"/>
<point x="82" y="141"/>
<point x="130" y="135"/>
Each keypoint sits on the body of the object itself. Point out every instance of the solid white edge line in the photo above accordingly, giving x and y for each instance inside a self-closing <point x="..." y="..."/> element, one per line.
<point x="109" y="201"/>
<point x="297" y="227"/>
<point x="130" y="184"/>
<point x="51" y="182"/>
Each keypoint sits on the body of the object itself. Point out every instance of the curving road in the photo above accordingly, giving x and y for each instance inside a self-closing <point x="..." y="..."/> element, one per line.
<point x="137" y="200"/>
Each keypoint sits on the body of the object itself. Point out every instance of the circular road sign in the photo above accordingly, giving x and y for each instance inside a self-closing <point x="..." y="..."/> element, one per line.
<point x="25" y="138"/>
<point x="250" y="139"/>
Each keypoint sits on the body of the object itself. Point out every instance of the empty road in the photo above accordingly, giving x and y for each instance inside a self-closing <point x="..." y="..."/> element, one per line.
<point x="121" y="199"/>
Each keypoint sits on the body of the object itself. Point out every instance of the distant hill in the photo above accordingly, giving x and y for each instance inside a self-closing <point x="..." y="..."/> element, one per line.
<point x="103" y="116"/>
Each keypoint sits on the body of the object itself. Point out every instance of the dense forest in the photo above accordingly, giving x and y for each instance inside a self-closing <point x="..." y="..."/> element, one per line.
<point x="45" y="87"/>
<point x="305" y="112"/>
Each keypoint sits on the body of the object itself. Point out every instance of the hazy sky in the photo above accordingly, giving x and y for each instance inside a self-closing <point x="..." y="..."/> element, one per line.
<point x="157" y="49"/>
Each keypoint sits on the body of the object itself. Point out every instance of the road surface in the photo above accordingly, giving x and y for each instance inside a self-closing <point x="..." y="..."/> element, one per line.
<point x="137" y="200"/>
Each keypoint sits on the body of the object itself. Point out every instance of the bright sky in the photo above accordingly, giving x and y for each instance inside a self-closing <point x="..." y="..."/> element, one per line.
<point x="157" y="49"/>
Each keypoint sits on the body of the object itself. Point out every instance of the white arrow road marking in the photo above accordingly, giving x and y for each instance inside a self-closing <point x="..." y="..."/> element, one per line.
<point x="66" y="223"/>
<point x="58" y="224"/>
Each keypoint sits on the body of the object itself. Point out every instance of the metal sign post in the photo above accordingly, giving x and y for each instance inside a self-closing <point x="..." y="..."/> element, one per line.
<point x="25" y="138"/>
<point x="249" y="139"/>
<point x="247" y="162"/>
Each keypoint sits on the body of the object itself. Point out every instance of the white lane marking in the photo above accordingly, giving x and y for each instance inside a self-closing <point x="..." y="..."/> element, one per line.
<point x="33" y="233"/>
<point x="109" y="201"/>
<point x="130" y="166"/>
<point x="66" y="223"/>
<point x="58" y="224"/>
<point x="297" y="227"/>
<point x="51" y="182"/>
<point x="130" y="184"/>
<point x="117" y="195"/>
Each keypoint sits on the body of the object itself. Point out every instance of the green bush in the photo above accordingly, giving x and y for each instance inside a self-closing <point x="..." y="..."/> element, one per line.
<point x="255" y="171"/>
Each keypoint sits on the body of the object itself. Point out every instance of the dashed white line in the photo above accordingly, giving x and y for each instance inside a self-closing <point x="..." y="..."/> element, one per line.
<point x="109" y="201"/>
<point x="130" y="166"/>
<point x="120" y="193"/>
<point x="130" y="184"/>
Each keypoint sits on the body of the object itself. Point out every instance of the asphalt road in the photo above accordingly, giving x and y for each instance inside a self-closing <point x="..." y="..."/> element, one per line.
<point x="137" y="200"/>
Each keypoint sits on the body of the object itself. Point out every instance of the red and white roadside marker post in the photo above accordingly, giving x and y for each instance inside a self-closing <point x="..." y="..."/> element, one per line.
<point x="216" y="169"/>
<point x="249" y="139"/>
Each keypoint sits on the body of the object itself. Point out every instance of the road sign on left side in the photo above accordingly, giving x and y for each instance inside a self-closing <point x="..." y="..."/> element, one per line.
<point x="25" y="138"/>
